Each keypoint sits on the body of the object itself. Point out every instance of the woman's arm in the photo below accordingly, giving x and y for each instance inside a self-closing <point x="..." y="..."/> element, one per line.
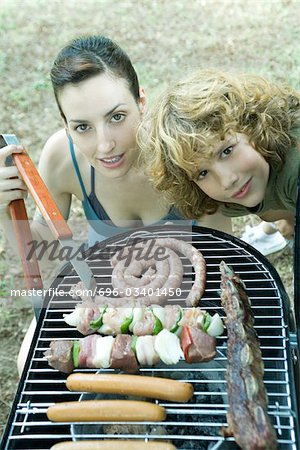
<point x="54" y="168"/>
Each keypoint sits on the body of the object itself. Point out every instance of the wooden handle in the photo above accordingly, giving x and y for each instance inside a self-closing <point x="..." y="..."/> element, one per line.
<point x="42" y="196"/>
<point x="24" y="241"/>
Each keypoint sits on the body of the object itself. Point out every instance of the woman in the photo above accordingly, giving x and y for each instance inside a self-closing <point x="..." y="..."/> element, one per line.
<point x="95" y="156"/>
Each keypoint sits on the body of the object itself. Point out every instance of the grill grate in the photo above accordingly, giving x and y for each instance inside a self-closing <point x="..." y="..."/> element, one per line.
<point x="195" y="425"/>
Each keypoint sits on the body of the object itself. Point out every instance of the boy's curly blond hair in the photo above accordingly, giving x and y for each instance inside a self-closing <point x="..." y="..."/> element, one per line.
<point x="198" y="112"/>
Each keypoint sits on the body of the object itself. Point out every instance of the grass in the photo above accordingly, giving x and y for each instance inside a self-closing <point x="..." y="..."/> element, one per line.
<point x="165" y="39"/>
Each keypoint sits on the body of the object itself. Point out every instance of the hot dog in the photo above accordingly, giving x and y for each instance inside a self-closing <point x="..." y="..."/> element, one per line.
<point x="106" y="411"/>
<point x="153" y="387"/>
<point x="113" y="445"/>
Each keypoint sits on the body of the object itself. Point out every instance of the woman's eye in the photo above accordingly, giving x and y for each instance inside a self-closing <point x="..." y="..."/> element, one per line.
<point x="118" y="117"/>
<point x="227" y="151"/>
<point x="81" y="128"/>
<point x="202" y="174"/>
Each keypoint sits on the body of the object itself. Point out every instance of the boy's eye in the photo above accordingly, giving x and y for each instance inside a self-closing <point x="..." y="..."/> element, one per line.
<point x="81" y="128"/>
<point x="227" y="151"/>
<point x="202" y="174"/>
<point x="118" y="117"/>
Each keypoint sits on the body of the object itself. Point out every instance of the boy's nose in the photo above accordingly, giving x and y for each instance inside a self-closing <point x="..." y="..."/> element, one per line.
<point x="229" y="180"/>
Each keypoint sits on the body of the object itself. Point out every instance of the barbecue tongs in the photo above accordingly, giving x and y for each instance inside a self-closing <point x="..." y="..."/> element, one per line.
<point x="51" y="214"/>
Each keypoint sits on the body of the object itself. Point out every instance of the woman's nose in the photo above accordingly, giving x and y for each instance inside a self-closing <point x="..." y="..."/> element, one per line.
<point x="105" y="142"/>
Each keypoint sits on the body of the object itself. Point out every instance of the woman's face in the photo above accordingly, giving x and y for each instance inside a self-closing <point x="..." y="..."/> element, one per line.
<point x="236" y="173"/>
<point x="102" y="118"/>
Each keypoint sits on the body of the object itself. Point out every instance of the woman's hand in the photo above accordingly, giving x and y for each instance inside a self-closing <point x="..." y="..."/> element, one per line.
<point x="12" y="186"/>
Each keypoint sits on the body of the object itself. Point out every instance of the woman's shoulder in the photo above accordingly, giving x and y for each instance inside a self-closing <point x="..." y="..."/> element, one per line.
<point x="56" y="148"/>
<point x="55" y="165"/>
<point x="57" y="168"/>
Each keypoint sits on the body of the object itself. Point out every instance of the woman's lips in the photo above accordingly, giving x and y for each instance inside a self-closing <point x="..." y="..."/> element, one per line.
<point x="113" y="162"/>
<point x="244" y="191"/>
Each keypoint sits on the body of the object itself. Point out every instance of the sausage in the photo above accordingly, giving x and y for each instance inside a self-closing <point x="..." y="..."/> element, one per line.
<point x="175" y="270"/>
<point x="153" y="387"/>
<point x="113" y="445"/>
<point x="106" y="411"/>
<point x="132" y="287"/>
<point x="169" y="273"/>
<point x="198" y="262"/>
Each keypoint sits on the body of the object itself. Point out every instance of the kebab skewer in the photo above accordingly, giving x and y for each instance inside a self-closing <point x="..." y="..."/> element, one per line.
<point x="88" y="318"/>
<point x="128" y="352"/>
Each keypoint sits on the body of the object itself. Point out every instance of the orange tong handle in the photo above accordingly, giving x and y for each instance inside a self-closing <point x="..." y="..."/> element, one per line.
<point x="42" y="196"/>
<point x="24" y="240"/>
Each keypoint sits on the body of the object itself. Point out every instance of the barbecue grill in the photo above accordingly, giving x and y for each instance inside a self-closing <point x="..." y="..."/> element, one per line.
<point x="196" y="424"/>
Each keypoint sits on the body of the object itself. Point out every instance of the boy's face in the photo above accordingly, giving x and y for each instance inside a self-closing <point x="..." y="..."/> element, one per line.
<point x="236" y="173"/>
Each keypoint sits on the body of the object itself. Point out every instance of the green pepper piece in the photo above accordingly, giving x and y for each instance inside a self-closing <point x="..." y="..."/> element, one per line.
<point x="96" y="324"/>
<point x="75" y="353"/>
<point x="207" y="322"/>
<point x="176" y="326"/>
<point x="133" y="344"/>
<point x="125" y="325"/>
<point x="157" y="326"/>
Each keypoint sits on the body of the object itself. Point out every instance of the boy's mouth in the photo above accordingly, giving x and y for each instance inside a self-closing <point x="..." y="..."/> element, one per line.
<point x="243" y="191"/>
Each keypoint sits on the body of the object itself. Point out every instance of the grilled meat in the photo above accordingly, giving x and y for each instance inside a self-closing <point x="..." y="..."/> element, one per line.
<point x="59" y="355"/>
<point x="247" y="417"/>
<point x="122" y="355"/>
<point x="202" y="348"/>
<point x="146" y="324"/>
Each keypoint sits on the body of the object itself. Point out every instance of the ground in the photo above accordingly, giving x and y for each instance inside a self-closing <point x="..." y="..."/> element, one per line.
<point x="165" y="39"/>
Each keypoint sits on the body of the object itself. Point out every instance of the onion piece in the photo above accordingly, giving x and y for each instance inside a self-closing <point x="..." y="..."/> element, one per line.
<point x="200" y="320"/>
<point x="159" y="312"/>
<point x="167" y="346"/>
<point x="216" y="327"/>
<point x="74" y="318"/>
<point x="104" y="347"/>
<point x="138" y="315"/>
<point x="145" y="352"/>
<point x="105" y="329"/>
